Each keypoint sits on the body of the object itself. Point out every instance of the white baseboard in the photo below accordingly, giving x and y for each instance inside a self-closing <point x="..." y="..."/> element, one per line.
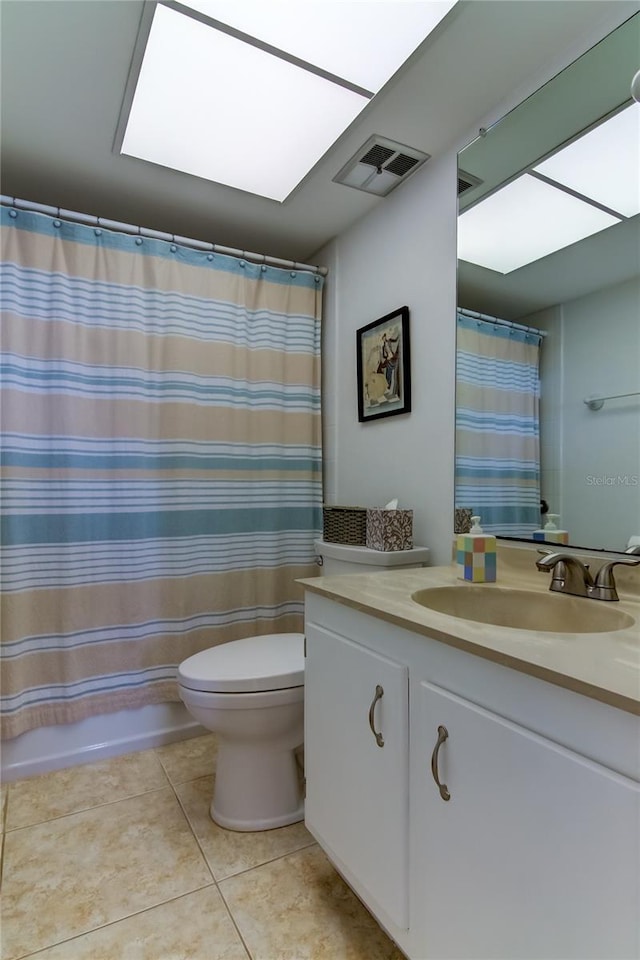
<point x="96" y="738"/>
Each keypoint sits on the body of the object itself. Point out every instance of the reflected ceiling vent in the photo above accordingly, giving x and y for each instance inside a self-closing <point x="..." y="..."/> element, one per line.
<point x="466" y="181"/>
<point x="380" y="165"/>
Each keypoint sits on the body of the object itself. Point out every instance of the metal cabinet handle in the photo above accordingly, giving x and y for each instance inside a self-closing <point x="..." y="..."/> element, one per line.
<point x="378" y="696"/>
<point x="443" y="734"/>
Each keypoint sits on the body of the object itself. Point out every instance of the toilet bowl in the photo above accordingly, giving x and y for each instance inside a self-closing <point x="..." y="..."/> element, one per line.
<point x="251" y="693"/>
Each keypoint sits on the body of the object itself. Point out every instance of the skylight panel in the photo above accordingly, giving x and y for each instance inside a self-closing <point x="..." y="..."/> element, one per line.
<point x="218" y="108"/>
<point x="524" y="221"/>
<point x="604" y="164"/>
<point x="362" y="42"/>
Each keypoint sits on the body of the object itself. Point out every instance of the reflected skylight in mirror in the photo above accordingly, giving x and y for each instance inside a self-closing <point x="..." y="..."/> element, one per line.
<point x="223" y="108"/>
<point x="547" y="220"/>
<point x="603" y="164"/>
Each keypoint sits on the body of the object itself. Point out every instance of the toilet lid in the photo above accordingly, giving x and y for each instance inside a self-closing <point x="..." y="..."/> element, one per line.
<point x="270" y="662"/>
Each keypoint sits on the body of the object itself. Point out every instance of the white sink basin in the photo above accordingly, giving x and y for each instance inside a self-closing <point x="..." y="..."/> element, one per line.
<point x="525" y="609"/>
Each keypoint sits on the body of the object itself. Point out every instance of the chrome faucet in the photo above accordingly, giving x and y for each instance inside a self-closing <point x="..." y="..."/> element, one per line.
<point x="571" y="575"/>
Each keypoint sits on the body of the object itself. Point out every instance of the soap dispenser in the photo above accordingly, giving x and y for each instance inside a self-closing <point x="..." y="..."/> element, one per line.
<point x="550" y="532"/>
<point x="476" y="554"/>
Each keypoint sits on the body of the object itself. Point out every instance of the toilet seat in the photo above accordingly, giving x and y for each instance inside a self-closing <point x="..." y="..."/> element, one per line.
<point x="253" y="664"/>
<point x="255" y="700"/>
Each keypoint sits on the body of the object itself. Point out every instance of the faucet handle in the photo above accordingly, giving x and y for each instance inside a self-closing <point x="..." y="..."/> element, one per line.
<point x="604" y="583"/>
<point x="605" y="573"/>
<point x="553" y="558"/>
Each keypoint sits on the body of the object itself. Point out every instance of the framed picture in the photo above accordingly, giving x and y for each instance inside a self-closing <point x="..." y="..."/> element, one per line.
<point x="384" y="368"/>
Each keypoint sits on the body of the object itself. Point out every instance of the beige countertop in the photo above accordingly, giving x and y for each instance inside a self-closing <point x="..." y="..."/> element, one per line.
<point x="603" y="666"/>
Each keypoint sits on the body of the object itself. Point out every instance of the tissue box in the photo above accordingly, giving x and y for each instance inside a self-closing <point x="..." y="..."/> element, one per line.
<point x="389" y="529"/>
<point x="462" y="519"/>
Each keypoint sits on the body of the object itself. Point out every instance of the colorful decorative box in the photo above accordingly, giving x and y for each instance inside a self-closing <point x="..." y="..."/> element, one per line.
<point x="551" y="536"/>
<point x="550" y="532"/>
<point x="476" y="555"/>
<point x="389" y="529"/>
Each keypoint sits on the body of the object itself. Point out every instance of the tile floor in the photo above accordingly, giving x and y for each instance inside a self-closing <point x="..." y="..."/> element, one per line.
<point x="119" y="860"/>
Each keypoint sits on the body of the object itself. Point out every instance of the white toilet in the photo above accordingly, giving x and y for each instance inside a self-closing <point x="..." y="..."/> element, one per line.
<point x="251" y="693"/>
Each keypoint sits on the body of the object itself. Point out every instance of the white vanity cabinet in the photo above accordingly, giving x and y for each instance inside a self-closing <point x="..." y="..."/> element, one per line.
<point x="530" y="856"/>
<point x="356" y="761"/>
<point x="536" y="854"/>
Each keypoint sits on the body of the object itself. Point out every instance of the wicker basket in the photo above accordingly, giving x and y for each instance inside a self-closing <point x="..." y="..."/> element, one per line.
<point x="344" y="525"/>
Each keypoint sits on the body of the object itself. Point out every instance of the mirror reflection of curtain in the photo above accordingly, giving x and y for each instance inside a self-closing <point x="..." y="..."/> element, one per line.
<point x="497" y="472"/>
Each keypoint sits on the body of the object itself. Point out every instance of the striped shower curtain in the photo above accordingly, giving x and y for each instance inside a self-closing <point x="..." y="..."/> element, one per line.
<point x="497" y="470"/>
<point x="161" y="458"/>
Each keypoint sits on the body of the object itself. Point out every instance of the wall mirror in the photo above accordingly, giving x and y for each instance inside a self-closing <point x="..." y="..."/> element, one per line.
<point x="549" y="239"/>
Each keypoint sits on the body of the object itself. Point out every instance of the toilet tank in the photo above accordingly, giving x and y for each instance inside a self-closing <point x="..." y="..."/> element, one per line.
<point x="337" y="558"/>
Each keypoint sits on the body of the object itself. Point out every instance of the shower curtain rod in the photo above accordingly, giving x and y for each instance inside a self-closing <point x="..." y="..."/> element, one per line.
<point x="473" y="315"/>
<point x="118" y="227"/>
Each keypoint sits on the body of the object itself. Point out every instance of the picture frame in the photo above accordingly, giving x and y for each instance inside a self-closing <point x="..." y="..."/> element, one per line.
<point x="383" y="359"/>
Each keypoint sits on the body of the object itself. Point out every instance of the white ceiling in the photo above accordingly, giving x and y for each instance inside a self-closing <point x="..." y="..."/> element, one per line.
<point x="64" y="71"/>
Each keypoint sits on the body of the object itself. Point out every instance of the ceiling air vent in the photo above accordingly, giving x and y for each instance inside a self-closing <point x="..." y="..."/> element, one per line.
<point x="377" y="155"/>
<point x="380" y="165"/>
<point x="466" y="181"/>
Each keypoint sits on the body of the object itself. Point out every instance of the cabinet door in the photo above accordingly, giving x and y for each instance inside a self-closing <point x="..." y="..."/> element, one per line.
<point x="357" y="790"/>
<point x="535" y="855"/>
